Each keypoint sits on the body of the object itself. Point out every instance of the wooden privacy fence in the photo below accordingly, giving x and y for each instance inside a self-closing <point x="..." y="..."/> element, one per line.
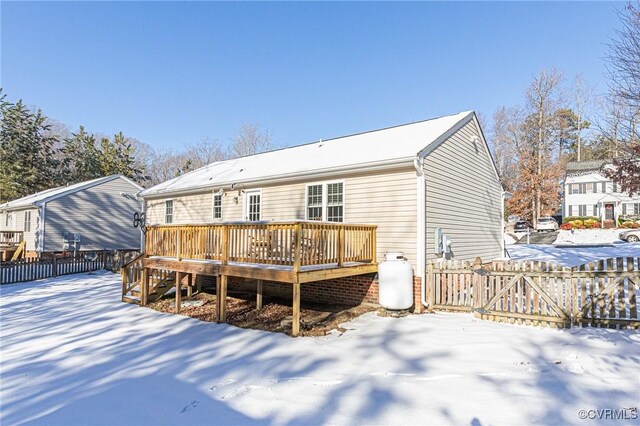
<point x="600" y="293"/>
<point x="35" y="269"/>
<point x="302" y="243"/>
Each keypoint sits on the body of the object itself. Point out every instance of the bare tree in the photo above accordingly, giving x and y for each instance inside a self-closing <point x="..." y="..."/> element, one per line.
<point x="205" y="152"/>
<point x="624" y="56"/>
<point x="624" y="82"/>
<point x="543" y="100"/>
<point x="250" y="140"/>
<point x="582" y="94"/>
<point x="506" y="138"/>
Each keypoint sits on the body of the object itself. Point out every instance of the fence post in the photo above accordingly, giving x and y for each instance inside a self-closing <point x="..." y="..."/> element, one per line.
<point x="478" y="292"/>
<point x="54" y="266"/>
<point x="429" y="285"/>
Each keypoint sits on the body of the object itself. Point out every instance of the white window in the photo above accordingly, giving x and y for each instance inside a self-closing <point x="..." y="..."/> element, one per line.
<point x="582" y="210"/>
<point x="7" y="221"/>
<point x="252" y="203"/>
<point x="27" y="221"/>
<point x="314" y="202"/>
<point x="325" y="202"/>
<point x="217" y="206"/>
<point x="570" y="210"/>
<point x="168" y="211"/>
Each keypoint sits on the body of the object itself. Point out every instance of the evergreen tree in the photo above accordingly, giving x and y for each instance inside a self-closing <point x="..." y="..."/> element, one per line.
<point x="27" y="161"/>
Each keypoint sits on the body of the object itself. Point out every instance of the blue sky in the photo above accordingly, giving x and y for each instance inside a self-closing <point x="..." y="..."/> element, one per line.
<point x="172" y="73"/>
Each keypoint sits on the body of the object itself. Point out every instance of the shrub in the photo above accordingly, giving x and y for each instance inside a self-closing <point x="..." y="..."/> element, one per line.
<point x="569" y="219"/>
<point x="577" y="222"/>
<point x="566" y="226"/>
<point x="627" y="225"/>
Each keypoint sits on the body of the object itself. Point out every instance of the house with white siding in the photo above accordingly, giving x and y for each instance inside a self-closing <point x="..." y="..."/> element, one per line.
<point x="587" y="192"/>
<point x="411" y="180"/>
<point x="86" y="216"/>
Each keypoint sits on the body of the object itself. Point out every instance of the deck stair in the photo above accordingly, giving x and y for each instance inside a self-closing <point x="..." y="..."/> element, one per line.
<point x="160" y="282"/>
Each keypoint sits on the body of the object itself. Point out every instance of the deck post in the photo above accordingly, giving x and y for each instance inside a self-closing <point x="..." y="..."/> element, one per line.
<point x="259" y="295"/>
<point x="144" y="290"/>
<point x="178" y="291"/>
<point x="218" y="292"/>
<point x="295" y="323"/>
<point x="198" y="283"/>
<point x="54" y="265"/>
<point x="223" y="297"/>
<point x="189" y="286"/>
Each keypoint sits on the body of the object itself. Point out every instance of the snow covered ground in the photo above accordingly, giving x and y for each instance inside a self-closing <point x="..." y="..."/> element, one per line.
<point x="73" y="354"/>
<point x="571" y="256"/>
<point x="588" y="237"/>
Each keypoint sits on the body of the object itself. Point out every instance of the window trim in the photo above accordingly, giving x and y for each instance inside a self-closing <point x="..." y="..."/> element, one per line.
<point x="26" y="225"/>
<point x="173" y="210"/>
<point x="325" y="198"/>
<point x="245" y="204"/>
<point x="213" y="206"/>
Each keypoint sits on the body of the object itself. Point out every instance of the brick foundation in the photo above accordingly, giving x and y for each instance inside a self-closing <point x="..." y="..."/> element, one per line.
<point x="344" y="291"/>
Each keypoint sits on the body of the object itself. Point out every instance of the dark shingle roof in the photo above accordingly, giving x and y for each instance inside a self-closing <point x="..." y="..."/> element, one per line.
<point x="582" y="166"/>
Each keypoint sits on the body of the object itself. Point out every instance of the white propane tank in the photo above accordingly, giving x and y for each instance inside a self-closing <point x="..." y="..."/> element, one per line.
<point x="395" y="282"/>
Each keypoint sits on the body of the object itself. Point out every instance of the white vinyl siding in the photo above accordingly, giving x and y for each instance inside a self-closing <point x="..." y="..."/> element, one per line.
<point x="463" y="197"/>
<point x="387" y="199"/>
<point x="100" y="215"/>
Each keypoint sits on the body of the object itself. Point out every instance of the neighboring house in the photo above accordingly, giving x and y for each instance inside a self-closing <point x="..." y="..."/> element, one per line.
<point x="409" y="180"/>
<point x="587" y="192"/>
<point x="87" y="216"/>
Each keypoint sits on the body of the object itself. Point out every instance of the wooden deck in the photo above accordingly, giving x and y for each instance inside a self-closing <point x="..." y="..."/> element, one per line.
<point x="295" y="252"/>
<point x="11" y="245"/>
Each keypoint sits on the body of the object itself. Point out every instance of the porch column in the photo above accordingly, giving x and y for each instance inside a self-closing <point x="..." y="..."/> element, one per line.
<point x="221" y="298"/>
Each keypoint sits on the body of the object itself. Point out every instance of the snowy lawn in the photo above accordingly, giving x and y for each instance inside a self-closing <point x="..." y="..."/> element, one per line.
<point x="72" y="353"/>
<point x="588" y="237"/>
<point x="571" y="256"/>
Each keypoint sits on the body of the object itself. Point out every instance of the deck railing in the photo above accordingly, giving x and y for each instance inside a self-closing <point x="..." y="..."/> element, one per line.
<point x="11" y="238"/>
<point x="295" y="244"/>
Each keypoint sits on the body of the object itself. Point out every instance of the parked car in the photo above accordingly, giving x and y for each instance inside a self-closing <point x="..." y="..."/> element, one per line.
<point x="522" y="226"/>
<point x="547" y="224"/>
<point x="630" y="236"/>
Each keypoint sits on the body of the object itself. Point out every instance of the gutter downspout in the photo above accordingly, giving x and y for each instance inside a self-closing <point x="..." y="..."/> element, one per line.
<point x="422" y="222"/>
<point x="43" y="216"/>
<point x="142" y="234"/>
<point x="503" y="194"/>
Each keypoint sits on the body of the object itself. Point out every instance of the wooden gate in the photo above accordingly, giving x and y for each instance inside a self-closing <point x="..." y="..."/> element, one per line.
<point x="602" y="293"/>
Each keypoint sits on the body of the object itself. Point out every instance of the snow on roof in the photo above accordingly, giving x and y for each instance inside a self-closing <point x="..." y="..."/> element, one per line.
<point x="397" y="143"/>
<point x="48" y="194"/>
